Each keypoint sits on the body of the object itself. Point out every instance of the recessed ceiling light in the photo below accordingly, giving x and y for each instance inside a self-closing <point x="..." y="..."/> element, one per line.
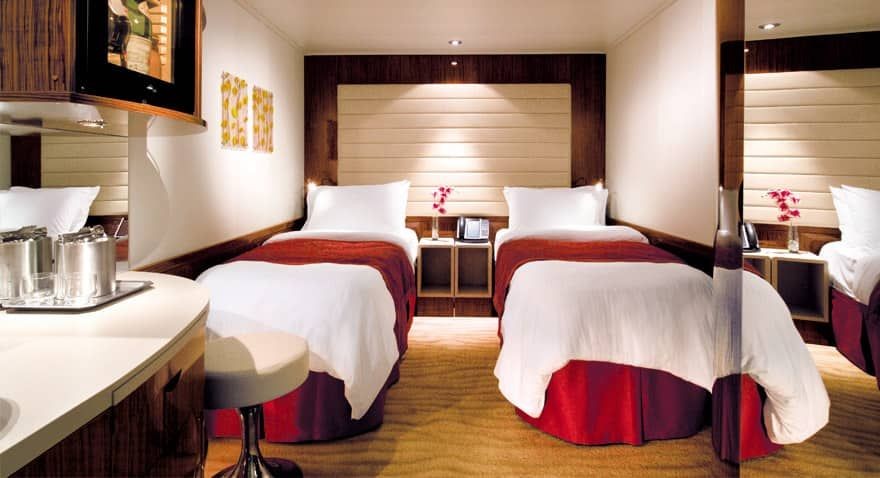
<point x="453" y="63"/>
<point x="769" y="26"/>
<point x="92" y="123"/>
<point x="455" y="42"/>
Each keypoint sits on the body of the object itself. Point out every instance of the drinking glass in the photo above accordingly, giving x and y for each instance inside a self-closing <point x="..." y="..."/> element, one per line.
<point x="76" y="288"/>
<point x="37" y="288"/>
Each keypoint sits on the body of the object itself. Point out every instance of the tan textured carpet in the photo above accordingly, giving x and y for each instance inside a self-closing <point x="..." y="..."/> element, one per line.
<point x="850" y="444"/>
<point x="446" y="418"/>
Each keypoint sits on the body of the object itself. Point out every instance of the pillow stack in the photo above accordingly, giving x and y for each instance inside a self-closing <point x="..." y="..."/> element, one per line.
<point x="858" y="215"/>
<point x="555" y="208"/>
<point x="59" y="210"/>
<point x="374" y="208"/>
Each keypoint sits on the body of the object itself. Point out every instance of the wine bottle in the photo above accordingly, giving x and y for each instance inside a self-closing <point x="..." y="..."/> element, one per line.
<point x="118" y="31"/>
<point x="140" y="41"/>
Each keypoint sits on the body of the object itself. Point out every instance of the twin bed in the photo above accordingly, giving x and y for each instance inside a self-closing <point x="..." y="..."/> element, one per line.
<point x="854" y="267"/>
<point x="605" y="338"/>
<point x="345" y="285"/>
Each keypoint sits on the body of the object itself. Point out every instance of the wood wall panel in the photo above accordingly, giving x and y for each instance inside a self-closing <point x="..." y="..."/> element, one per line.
<point x="808" y="151"/>
<point x="584" y="73"/>
<point x="819" y="52"/>
<point x="25" y="167"/>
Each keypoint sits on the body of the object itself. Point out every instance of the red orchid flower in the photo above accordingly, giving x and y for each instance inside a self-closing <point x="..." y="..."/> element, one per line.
<point x="441" y="194"/>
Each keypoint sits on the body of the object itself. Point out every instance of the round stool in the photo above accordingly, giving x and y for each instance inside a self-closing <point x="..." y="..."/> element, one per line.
<point x="245" y="371"/>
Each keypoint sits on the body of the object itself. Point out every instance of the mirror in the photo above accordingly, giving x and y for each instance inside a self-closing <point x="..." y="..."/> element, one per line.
<point x="53" y="145"/>
<point x="812" y="110"/>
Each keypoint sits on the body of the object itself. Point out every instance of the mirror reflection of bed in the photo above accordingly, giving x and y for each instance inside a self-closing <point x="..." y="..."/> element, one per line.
<point x="812" y="105"/>
<point x="65" y="180"/>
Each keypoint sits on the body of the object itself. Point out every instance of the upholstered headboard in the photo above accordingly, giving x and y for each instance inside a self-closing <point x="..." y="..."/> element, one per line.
<point x="476" y="137"/>
<point x="808" y="130"/>
<point x="88" y="160"/>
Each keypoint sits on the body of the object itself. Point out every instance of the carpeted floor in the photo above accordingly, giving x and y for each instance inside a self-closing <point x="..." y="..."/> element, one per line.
<point x="850" y="444"/>
<point x="446" y="418"/>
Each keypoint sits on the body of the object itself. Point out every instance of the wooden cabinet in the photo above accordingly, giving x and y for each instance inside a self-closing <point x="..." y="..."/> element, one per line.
<point x="801" y="280"/>
<point x="157" y="430"/>
<point x="454" y="278"/>
<point x="57" y="50"/>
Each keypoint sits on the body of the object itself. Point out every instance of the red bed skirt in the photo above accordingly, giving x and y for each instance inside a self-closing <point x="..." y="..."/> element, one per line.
<point x="857" y="337"/>
<point x="597" y="403"/>
<point x="738" y="431"/>
<point x="316" y="411"/>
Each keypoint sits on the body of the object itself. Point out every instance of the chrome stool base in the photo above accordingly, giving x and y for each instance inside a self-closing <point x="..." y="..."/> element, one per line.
<point x="251" y="463"/>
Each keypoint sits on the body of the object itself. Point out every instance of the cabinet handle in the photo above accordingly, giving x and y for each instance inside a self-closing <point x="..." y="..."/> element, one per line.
<point x="151" y="88"/>
<point x="172" y="384"/>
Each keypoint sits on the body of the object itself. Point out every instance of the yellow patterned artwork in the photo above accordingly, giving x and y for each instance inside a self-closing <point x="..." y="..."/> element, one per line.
<point x="234" y="112"/>
<point x="264" y="121"/>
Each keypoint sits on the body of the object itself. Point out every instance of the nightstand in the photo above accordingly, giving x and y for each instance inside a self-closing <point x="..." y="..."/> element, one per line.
<point x="800" y="279"/>
<point x="473" y="278"/>
<point x="436" y="268"/>
<point x="454" y="278"/>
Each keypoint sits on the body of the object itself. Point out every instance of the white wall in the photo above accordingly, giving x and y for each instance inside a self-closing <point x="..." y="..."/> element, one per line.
<point x="662" y="123"/>
<point x="5" y="162"/>
<point x="187" y="193"/>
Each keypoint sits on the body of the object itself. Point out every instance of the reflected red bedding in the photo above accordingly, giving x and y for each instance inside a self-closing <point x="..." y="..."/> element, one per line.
<point x="857" y="330"/>
<point x="318" y="409"/>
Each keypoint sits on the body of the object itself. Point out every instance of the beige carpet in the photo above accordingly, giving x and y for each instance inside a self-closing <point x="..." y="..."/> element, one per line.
<point x="446" y="418"/>
<point x="850" y="444"/>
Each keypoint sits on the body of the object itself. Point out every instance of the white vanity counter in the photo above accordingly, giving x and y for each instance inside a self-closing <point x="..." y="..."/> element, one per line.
<point x="59" y="371"/>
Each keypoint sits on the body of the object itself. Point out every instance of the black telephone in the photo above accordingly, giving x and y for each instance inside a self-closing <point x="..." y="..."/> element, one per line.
<point x="472" y="229"/>
<point x="749" y="237"/>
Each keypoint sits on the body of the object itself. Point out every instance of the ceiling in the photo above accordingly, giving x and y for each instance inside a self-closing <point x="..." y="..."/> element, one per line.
<point x="810" y="17"/>
<point x="425" y="26"/>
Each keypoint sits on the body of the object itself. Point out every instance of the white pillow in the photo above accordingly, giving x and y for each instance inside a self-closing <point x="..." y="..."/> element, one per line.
<point x="555" y="208"/>
<point x="839" y="197"/>
<point x="60" y="210"/>
<point x="864" y="215"/>
<point x="379" y="208"/>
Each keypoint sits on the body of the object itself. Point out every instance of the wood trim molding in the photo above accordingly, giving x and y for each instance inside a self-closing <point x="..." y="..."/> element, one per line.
<point x="422" y="225"/>
<point x="584" y="72"/>
<point x="699" y="256"/>
<point x="810" y="53"/>
<point x="811" y="238"/>
<point x="191" y="264"/>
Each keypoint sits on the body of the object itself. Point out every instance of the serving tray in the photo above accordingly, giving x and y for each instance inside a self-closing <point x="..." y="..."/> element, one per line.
<point x="124" y="288"/>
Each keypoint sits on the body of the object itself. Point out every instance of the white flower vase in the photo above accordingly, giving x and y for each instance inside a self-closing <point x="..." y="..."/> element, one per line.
<point x="435" y="227"/>
<point x="794" y="244"/>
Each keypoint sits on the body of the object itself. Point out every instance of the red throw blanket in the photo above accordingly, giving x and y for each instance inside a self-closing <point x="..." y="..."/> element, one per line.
<point x="390" y="260"/>
<point x="513" y="254"/>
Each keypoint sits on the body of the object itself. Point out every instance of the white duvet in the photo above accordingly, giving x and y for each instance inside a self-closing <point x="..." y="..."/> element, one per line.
<point x="344" y="312"/>
<point x="658" y="316"/>
<point x="855" y="271"/>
